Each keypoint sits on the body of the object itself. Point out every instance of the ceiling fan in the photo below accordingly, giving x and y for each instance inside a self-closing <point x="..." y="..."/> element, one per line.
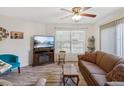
<point x="77" y="13"/>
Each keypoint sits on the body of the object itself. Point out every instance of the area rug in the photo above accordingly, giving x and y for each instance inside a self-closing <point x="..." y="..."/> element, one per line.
<point x="29" y="75"/>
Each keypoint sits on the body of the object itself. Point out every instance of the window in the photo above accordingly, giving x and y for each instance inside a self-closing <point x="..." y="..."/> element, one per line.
<point x="112" y="37"/>
<point x="62" y="41"/>
<point x="108" y="38"/>
<point x="70" y="41"/>
<point x="120" y="37"/>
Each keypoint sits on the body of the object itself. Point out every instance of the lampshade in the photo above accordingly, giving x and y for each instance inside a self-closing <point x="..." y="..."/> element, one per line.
<point x="76" y="17"/>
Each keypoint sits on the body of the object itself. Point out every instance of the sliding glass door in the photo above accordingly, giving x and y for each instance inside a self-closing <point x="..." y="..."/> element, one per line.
<point x="70" y="41"/>
<point x="62" y="41"/>
<point x="77" y="41"/>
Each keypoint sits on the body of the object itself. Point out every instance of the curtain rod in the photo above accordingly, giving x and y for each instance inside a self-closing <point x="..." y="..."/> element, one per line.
<point x="112" y="21"/>
<point x="70" y="28"/>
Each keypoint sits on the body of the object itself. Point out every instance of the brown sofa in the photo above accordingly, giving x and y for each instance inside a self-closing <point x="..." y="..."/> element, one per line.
<point x="95" y="73"/>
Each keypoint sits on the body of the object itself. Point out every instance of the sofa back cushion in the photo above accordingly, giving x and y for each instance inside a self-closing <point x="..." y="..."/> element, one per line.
<point x="108" y="61"/>
<point x="91" y="57"/>
<point x="8" y="58"/>
<point x="99" y="55"/>
<point x="81" y="57"/>
<point x="117" y="74"/>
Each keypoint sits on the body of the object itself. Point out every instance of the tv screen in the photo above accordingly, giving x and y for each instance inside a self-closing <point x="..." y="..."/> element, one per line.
<point x="43" y="41"/>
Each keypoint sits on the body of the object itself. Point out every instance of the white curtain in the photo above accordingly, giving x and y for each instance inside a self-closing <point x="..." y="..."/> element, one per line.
<point x="108" y="38"/>
<point x="112" y="37"/>
<point x="77" y="41"/>
<point x="62" y="41"/>
<point x="70" y="41"/>
<point x="120" y="37"/>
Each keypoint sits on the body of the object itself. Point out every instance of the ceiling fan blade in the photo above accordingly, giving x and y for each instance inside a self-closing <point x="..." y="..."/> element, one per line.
<point x="66" y="16"/>
<point x="86" y="8"/>
<point x="63" y="9"/>
<point x="88" y="15"/>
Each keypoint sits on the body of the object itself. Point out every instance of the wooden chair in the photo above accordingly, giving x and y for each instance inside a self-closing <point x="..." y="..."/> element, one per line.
<point x="61" y="57"/>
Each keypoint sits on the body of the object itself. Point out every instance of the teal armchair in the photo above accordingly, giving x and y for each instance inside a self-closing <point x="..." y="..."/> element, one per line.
<point x="11" y="59"/>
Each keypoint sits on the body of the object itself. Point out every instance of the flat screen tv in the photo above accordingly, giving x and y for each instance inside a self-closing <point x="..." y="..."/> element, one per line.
<point x="43" y="41"/>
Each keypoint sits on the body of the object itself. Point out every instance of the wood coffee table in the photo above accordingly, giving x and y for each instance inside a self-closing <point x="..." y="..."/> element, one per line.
<point x="70" y="72"/>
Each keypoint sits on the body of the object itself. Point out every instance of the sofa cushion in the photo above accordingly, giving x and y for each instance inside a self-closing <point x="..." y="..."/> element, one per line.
<point x="99" y="56"/>
<point x="99" y="79"/>
<point x="117" y="74"/>
<point x="91" y="57"/>
<point x="92" y="68"/>
<point x="108" y="62"/>
<point x="86" y="62"/>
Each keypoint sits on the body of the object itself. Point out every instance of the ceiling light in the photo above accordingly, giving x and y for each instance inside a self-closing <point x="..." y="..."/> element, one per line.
<point x="76" y="18"/>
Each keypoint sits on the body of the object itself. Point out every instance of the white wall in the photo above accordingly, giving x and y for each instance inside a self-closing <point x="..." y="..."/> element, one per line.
<point x="20" y="47"/>
<point x="23" y="47"/>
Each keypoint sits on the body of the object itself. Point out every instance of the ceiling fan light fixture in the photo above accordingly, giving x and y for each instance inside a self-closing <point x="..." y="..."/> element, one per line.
<point x="76" y="18"/>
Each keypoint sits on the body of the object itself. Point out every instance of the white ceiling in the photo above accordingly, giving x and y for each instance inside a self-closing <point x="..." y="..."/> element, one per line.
<point x="54" y="14"/>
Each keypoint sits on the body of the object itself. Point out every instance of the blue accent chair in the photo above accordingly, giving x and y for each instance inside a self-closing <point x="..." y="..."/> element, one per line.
<point x="11" y="59"/>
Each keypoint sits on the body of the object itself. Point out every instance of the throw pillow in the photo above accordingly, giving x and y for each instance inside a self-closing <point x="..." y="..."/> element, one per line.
<point x="117" y="74"/>
<point x="91" y="57"/>
<point x="82" y="57"/>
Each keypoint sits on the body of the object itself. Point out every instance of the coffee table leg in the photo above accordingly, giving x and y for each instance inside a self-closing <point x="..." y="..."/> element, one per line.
<point x="63" y="80"/>
<point x="78" y="80"/>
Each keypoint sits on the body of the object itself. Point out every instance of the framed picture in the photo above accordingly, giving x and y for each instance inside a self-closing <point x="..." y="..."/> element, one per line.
<point x="3" y="33"/>
<point x="16" y="35"/>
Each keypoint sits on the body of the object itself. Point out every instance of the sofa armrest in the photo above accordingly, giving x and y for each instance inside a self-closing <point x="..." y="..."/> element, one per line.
<point x="16" y="58"/>
<point x="114" y="84"/>
<point x="81" y="56"/>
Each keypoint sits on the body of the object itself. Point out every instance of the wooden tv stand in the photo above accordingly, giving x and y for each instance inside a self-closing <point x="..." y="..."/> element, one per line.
<point x="42" y="55"/>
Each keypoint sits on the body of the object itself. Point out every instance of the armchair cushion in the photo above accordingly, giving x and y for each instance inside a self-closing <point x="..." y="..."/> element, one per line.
<point x="10" y="59"/>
